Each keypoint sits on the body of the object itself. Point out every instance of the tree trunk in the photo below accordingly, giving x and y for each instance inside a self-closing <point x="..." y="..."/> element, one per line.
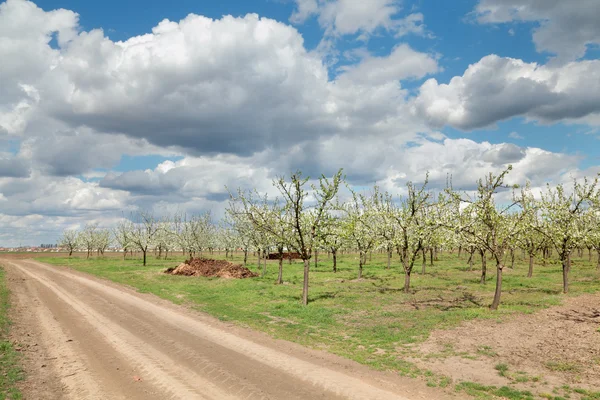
<point x="305" y="285"/>
<point x="360" y="265"/>
<point x="565" y="267"/>
<point x="498" y="291"/>
<point x="512" y="259"/>
<point x="483" y="267"/>
<point x="124" y="254"/>
<point x="334" y="253"/>
<point x="144" y="251"/>
<point x="406" y="280"/>
<point x="258" y="260"/>
<point x="280" y="275"/>
<point x="316" y="258"/>
<point x="598" y="266"/>
<point x="471" y="261"/>
<point x="544" y="257"/>
<point x="431" y="256"/>
<point x="389" y="258"/>
<point x="589" y="254"/>
<point x="459" y="251"/>
<point x="71" y="253"/>
<point x="245" y="257"/>
<point x="435" y="253"/>
<point x="424" y="261"/>
<point x="264" y="269"/>
<point x="530" y="272"/>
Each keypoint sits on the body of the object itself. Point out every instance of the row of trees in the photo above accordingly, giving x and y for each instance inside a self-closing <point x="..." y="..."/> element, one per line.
<point x="309" y="218"/>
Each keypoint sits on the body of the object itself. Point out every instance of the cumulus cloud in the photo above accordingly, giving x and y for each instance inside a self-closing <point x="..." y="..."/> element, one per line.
<point x="65" y="152"/>
<point x="194" y="177"/>
<point x="402" y="63"/>
<point x="498" y="88"/>
<point x="566" y="28"/>
<point x="348" y="17"/>
<point x="464" y="159"/>
<point x="25" y="33"/>
<point x="58" y="196"/>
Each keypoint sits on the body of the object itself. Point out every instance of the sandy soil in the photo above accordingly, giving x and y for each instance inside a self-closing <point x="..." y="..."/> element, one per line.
<point x="559" y="346"/>
<point x="85" y="338"/>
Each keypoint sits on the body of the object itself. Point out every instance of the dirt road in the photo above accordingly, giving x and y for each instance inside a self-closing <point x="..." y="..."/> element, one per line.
<point x="85" y="338"/>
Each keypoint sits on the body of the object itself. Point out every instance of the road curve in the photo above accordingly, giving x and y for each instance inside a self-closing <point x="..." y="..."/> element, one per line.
<point x="108" y="342"/>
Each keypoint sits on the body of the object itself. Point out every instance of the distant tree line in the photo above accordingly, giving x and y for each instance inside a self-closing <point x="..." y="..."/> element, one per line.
<point x="310" y="218"/>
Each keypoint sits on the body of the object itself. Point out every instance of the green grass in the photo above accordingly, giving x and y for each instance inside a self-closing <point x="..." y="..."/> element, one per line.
<point x="492" y="392"/>
<point x="562" y="366"/>
<point x="371" y="321"/>
<point x="502" y="369"/>
<point x="10" y="372"/>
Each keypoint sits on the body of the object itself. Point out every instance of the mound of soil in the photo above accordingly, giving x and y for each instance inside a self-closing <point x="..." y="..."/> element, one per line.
<point x="211" y="268"/>
<point x="286" y="256"/>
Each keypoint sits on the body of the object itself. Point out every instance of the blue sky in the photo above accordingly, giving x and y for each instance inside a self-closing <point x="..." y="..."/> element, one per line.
<point x="150" y="115"/>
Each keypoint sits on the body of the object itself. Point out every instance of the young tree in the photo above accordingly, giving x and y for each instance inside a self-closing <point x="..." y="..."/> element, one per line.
<point x="269" y="221"/>
<point x="562" y="213"/>
<point x="495" y="229"/>
<point x="122" y="235"/>
<point x="359" y="226"/>
<point x="182" y="232"/>
<point x="144" y="232"/>
<point x="529" y="238"/>
<point x="385" y="224"/>
<point x="102" y="240"/>
<point x="227" y="237"/>
<point x="307" y="224"/>
<point x="333" y="237"/>
<point x="411" y="227"/>
<point x="88" y="238"/>
<point x="69" y="240"/>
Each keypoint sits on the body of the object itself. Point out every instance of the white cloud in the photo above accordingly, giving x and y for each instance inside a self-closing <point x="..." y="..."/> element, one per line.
<point x="25" y="31"/>
<point x="304" y="10"/>
<point x="515" y="135"/>
<point x="348" y="17"/>
<point x="402" y="63"/>
<point x="496" y="89"/>
<point x="566" y="28"/>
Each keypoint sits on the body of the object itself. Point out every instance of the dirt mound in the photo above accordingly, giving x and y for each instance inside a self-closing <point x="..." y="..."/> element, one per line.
<point x="286" y="256"/>
<point x="211" y="268"/>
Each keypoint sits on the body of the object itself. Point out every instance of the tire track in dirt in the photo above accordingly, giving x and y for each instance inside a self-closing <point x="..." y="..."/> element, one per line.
<point x="179" y="356"/>
<point x="156" y="366"/>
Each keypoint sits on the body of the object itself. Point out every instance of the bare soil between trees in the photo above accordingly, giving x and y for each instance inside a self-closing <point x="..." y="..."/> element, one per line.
<point x="537" y="352"/>
<point x="86" y="338"/>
